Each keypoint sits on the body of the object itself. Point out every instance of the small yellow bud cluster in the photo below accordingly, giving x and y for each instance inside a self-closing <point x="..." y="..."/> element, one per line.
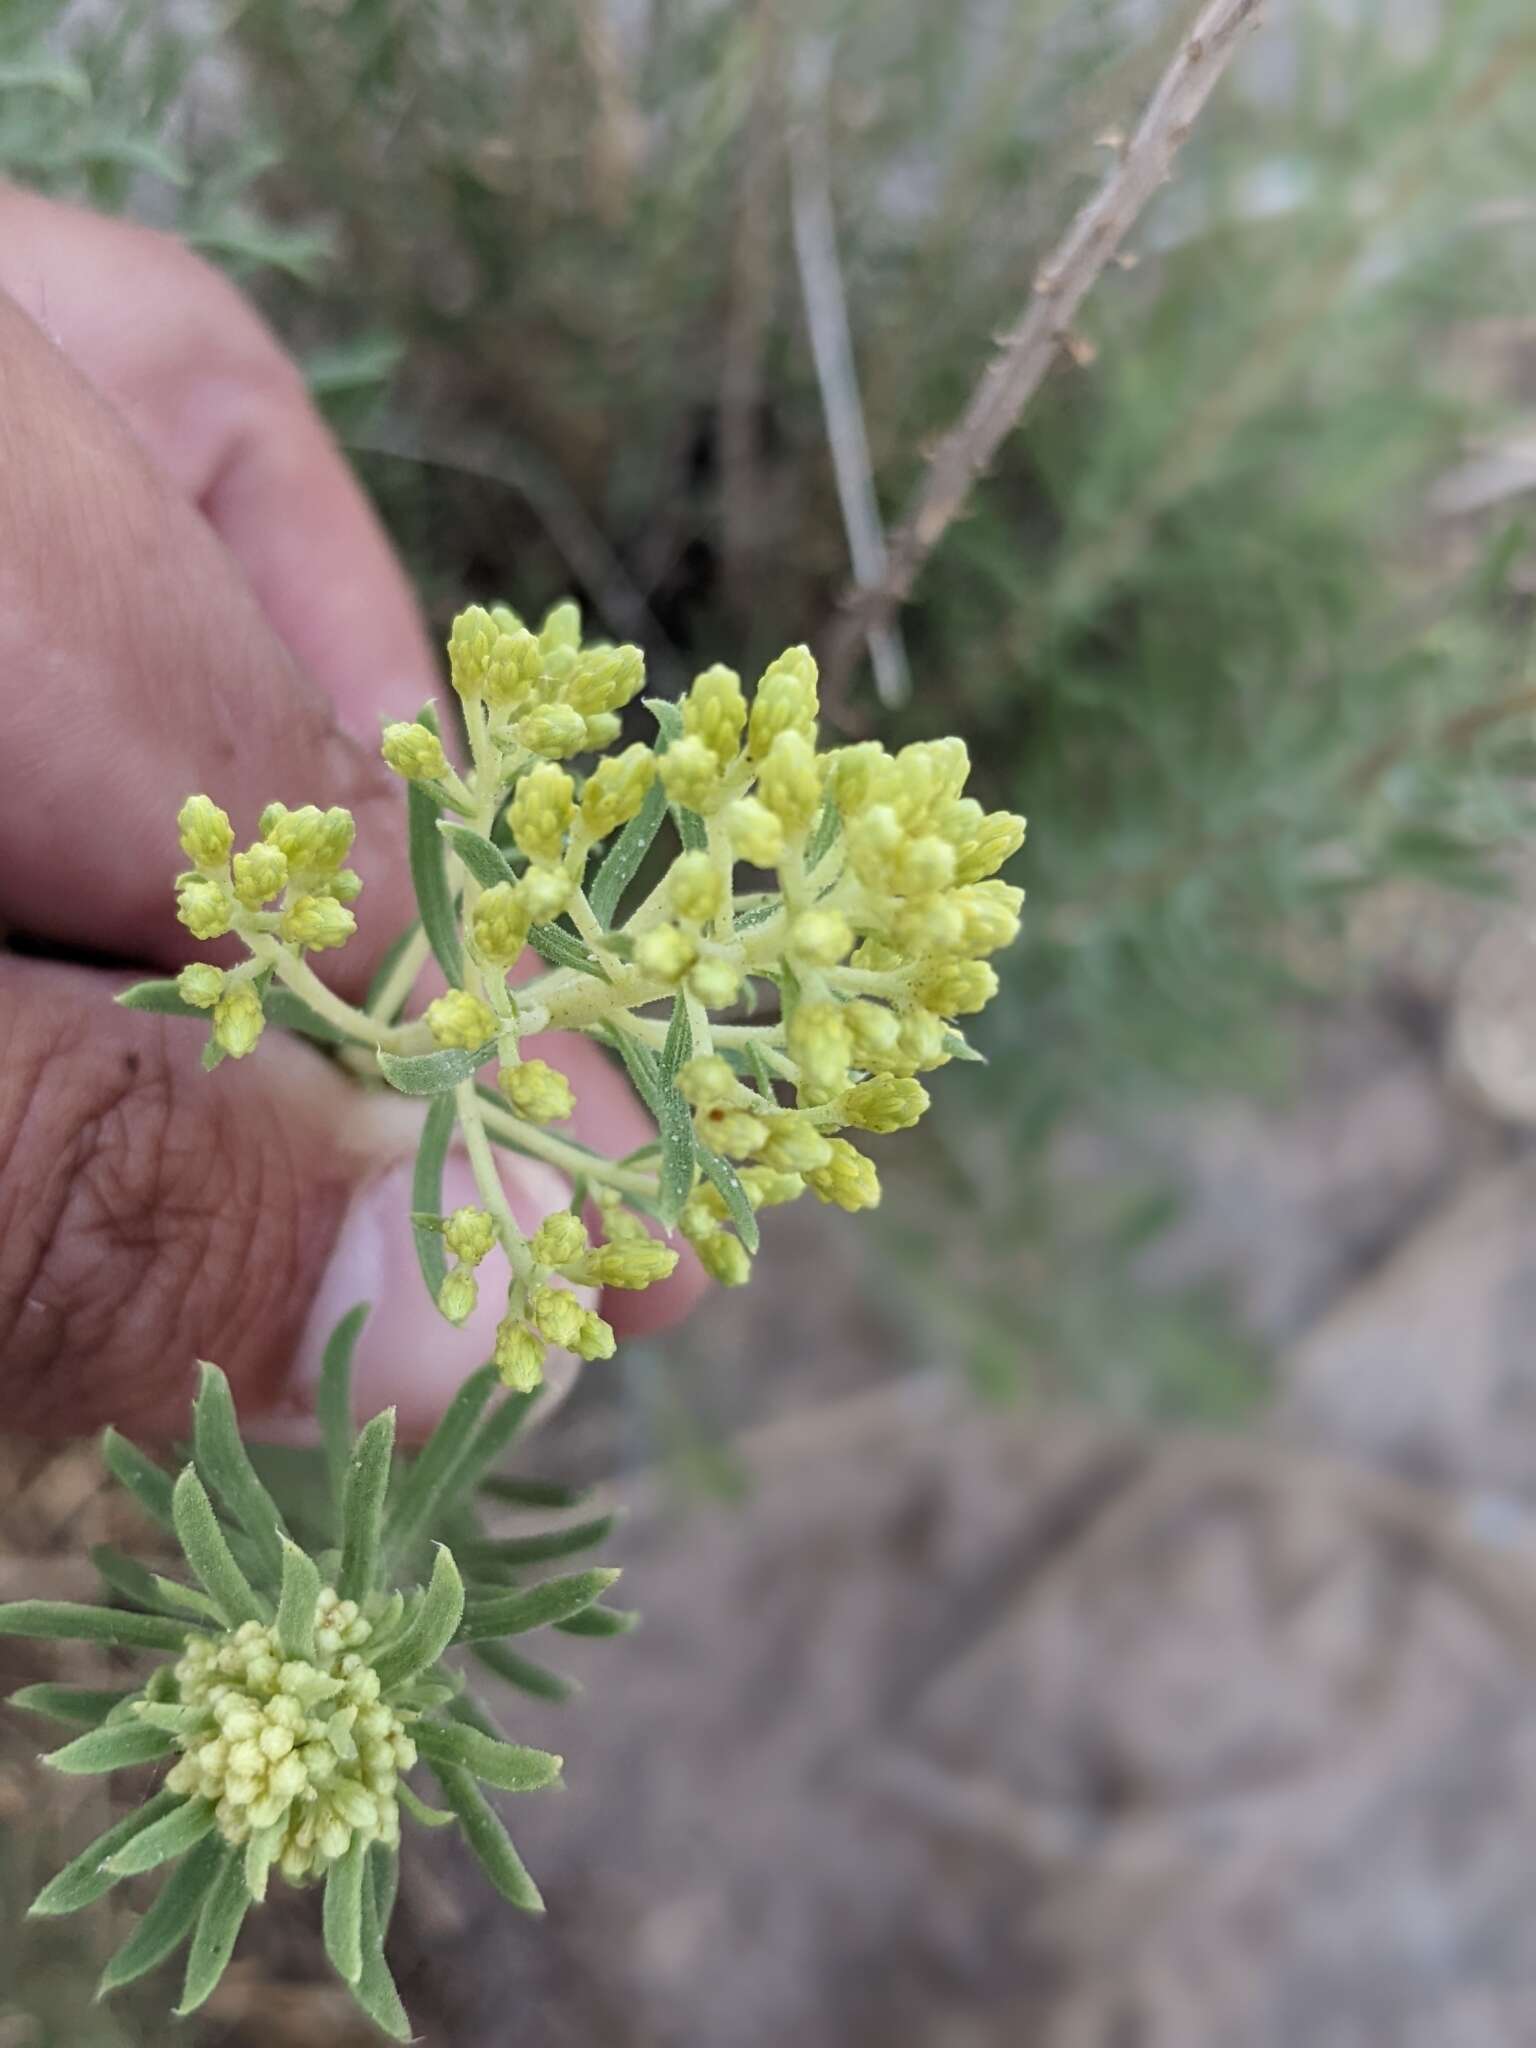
<point x="297" y="1758"/>
<point x="847" y="961"/>
<point x="288" y="887"/>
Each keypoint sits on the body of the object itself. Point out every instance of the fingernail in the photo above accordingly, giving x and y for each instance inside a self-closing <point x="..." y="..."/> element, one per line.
<point x="407" y="1356"/>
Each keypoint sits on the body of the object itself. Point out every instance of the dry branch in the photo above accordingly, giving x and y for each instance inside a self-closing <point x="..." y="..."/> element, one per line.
<point x="1027" y="352"/>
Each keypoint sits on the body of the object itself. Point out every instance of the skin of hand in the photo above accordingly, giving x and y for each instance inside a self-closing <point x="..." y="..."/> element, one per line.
<point x="194" y="594"/>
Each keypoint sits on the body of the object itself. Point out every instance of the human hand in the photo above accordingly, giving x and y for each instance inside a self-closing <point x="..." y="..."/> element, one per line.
<point x="194" y="592"/>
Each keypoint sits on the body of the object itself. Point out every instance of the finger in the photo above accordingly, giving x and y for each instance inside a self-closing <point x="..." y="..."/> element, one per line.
<point x="135" y="667"/>
<point x="221" y="410"/>
<point x="152" y="1214"/>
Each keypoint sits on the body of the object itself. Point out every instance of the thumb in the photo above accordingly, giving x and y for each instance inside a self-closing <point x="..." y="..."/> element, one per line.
<point x="152" y="1214"/>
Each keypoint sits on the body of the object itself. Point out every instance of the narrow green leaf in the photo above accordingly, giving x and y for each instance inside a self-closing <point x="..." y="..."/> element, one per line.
<point x="678" y="1046"/>
<point x="552" y="942"/>
<point x="549" y="1543"/>
<point x="61" y="1620"/>
<point x="433" y="1073"/>
<point x="333" y="1402"/>
<point x="362" y="1509"/>
<point x="669" y="722"/>
<point x="534" y="1493"/>
<point x="424" y="1815"/>
<point x="823" y="836"/>
<point x="114" y="1748"/>
<point x="207" y="1551"/>
<point x="724" y="1177"/>
<point x="643" y="1067"/>
<point x="431" y="1628"/>
<point x="169" y="1920"/>
<point x="343" y="1915"/>
<point x="960" y="1048"/>
<point x="140" y="1476"/>
<point x="679" y="1156"/>
<point x="555" y="1600"/>
<point x="486" y="862"/>
<point x="226" y="1469"/>
<point x="375" y="1988"/>
<point x="432" y="1470"/>
<point x="160" y="999"/>
<point x="429" y="874"/>
<point x="147" y="1589"/>
<point x="427" y="1190"/>
<point x="214" y="1055"/>
<point x="523" y="1672"/>
<point x="87" y="1878"/>
<point x="384" y="1865"/>
<point x="289" y="1012"/>
<point x="509" y="1766"/>
<point x="261" y="1851"/>
<point x="491" y="1439"/>
<point x="384" y="972"/>
<point x="84" y="1706"/>
<point x="600" y="1621"/>
<point x="166" y="1840"/>
<point x="762" y="1073"/>
<point x="623" y="859"/>
<point x="488" y="1838"/>
<point x="217" y="1931"/>
<point x="296" y="1604"/>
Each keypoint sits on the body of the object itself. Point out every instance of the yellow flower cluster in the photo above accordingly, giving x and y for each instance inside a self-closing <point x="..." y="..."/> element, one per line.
<point x="762" y="1014"/>
<point x="296" y="1758"/>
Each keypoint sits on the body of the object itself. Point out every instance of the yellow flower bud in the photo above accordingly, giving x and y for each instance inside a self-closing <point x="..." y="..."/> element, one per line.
<point x="458" y="1294"/>
<point x="929" y="924"/>
<point x="724" y="1258"/>
<point x="620" y="1225"/>
<point x="499" y="925"/>
<point x="543" y="893"/>
<point x="848" y="1179"/>
<point x="540" y="811"/>
<point x="560" y="1239"/>
<point x="756" y="835"/>
<point x="469" y="1234"/>
<point x="413" y="751"/>
<point x="920" y="1043"/>
<point x="206" y="834"/>
<point x="789" y="783"/>
<point x="260" y="873"/>
<point x="460" y="1019"/>
<point x="200" y="985"/>
<point x="470" y="640"/>
<point x="690" y="774"/>
<point x="873" y="1029"/>
<point x="794" y="1144"/>
<point x="956" y="988"/>
<point x="317" y="923"/>
<point x="785" y="701"/>
<point x="616" y="789"/>
<point x="601" y="730"/>
<point x="558" y="1316"/>
<point x="604" y="679"/>
<point x="820" y="938"/>
<point x="554" y="730"/>
<point x="886" y="1102"/>
<point x="665" y="953"/>
<point x="706" y="1080"/>
<point x="537" y="1091"/>
<point x="512" y="668"/>
<point x="716" y="983"/>
<point x="818" y="1042"/>
<point x="767" y="1188"/>
<point x="238" y="1020"/>
<point x="695" y="887"/>
<point x="205" y="908"/>
<point x="634" y="1263"/>
<point x="518" y="1355"/>
<point x="715" y="711"/>
<point x="313" y="841"/>
<point x="561" y="627"/>
<point x="874" y="839"/>
<point x="855" y="776"/>
<point x="735" y="1132"/>
<point x="594" y="1338"/>
<point x="990" y="911"/>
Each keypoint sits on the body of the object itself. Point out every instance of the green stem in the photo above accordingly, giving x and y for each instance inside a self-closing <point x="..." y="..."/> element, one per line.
<point x="402" y="977"/>
<point x="296" y="974"/>
<point x="483" y="1165"/>
<point x="569" y="1158"/>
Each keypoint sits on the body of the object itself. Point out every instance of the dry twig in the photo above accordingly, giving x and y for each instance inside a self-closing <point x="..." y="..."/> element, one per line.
<point x="1060" y="286"/>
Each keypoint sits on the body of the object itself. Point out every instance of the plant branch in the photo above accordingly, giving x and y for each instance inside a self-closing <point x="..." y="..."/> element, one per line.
<point x="1060" y="287"/>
